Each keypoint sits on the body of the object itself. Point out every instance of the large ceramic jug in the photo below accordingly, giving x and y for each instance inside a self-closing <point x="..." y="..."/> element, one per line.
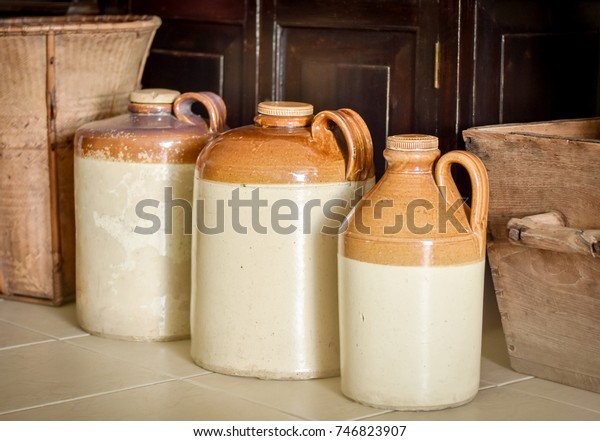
<point x="269" y="200"/>
<point x="411" y="277"/>
<point x="134" y="177"/>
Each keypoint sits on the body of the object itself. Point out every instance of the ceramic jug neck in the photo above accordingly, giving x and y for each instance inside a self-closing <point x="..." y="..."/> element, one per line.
<point x="282" y="121"/>
<point x="153" y="109"/>
<point x="410" y="161"/>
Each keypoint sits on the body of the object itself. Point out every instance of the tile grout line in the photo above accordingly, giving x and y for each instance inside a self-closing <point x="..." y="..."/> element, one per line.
<point x="382" y="412"/>
<point x="82" y="397"/>
<point x="24" y="345"/>
<point x="128" y="362"/>
<point x="73" y="337"/>
<point x="37" y="331"/>
<point x="520" y="380"/>
<point x="49" y="340"/>
<point x="20" y="325"/>
<point x="200" y="374"/>
<point x="553" y="399"/>
<point x="386" y="411"/>
<point x="117" y="358"/>
<point x="231" y="394"/>
<point x="517" y="380"/>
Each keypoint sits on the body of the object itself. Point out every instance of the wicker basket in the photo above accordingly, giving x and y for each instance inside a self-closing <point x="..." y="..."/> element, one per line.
<point x="56" y="74"/>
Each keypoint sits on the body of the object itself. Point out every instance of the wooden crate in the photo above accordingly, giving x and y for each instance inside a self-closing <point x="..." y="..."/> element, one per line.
<point x="546" y="268"/>
<point x="57" y="73"/>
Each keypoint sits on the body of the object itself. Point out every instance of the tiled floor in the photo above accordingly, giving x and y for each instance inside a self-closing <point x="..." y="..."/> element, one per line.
<point x="51" y="370"/>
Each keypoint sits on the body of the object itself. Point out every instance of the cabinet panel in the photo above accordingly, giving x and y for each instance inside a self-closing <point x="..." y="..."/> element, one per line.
<point x="184" y="70"/>
<point x="543" y="77"/>
<point x="376" y="57"/>
<point x="205" y="54"/>
<point x="183" y="58"/>
<point x="538" y="64"/>
<point x="368" y="71"/>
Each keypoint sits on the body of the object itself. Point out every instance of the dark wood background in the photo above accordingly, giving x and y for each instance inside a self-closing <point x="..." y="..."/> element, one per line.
<point x="407" y="66"/>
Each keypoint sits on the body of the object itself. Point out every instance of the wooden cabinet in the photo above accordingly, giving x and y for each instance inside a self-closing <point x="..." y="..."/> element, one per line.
<point x="375" y="57"/>
<point x="427" y="66"/>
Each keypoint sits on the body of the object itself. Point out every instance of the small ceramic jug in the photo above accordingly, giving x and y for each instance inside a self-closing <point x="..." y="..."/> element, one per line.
<point x="269" y="201"/>
<point x="134" y="177"/>
<point x="411" y="277"/>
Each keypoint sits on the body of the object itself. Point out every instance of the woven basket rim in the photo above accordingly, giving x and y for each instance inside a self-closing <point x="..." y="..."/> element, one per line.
<point x="78" y="23"/>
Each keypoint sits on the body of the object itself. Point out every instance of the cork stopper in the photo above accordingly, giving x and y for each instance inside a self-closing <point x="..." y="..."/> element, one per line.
<point x="412" y="142"/>
<point x="285" y="108"/>
<point x="153" y="96"/>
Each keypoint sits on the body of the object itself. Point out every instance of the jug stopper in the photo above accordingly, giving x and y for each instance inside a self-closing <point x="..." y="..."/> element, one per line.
<point x="285" y="108"/>
<point x="153" y="96"/>
<point x="412" y="142"/>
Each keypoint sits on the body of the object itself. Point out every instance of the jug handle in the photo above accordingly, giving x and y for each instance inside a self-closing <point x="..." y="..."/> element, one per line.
<point x="217" y="112"/>
<point x="479" y="186"/>
<point x="359" y="165"/>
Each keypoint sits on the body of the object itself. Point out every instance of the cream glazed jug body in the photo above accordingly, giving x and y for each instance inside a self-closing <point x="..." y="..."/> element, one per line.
<point x="134" y="178"/>
<point x="269" y="200"/>
<point x="411" y="278"/>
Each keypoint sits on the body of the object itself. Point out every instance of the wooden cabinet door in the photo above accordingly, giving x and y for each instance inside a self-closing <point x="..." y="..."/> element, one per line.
<point x="207" y="45"/>
<point x="376" y="57"/>
<point x="534" y="60"/>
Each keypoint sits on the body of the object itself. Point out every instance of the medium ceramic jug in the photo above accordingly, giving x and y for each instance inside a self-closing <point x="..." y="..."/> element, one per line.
<point x="411" y="277"/>
<point x="134" y="177"/>
<point x="269" y="200"/>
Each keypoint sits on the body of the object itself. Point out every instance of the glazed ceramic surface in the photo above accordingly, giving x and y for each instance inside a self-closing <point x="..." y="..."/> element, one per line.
<point x="133" y="192"/>
<point x="269" y="201"/>
<point x="411" y="274"/>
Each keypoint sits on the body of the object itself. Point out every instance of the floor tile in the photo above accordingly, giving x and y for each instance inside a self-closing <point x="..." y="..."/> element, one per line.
<point x="173" y="400"/>
<point x="171" y="358"/>
<point x="49" y="372"/>
<point x="499" y="404"/>
<point x="485" y="385"/>
<point x="559" y="392"/>
<point x="498" y="373"/>
<point x="310" y="399"/>
<point x="13" y="335"/>
<point x="84" y="377"/>
<point x="55" y="321"/>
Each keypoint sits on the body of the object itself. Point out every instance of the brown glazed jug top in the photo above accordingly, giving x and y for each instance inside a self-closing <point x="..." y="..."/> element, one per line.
<point x="287" y="145"/>
<point x="159" y="128"/>
<point x="415" y="216"/>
